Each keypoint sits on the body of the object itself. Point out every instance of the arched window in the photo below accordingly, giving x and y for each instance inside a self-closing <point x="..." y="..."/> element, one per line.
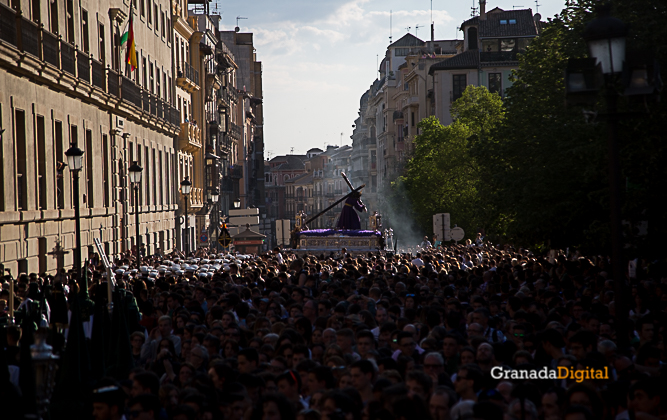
<point x="472" y="38"/>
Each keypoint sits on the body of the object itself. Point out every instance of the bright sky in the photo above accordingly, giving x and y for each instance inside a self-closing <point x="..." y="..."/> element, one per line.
<point x="319" y="56"/>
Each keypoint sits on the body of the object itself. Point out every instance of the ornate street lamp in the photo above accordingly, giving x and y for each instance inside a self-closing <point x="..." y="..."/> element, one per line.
<point x="135" y="178"/>
<point x="605" y="37"/>
<point x="213" y="197"/>
<point x="75" y="162"/>
<point x="186" y="186"/>
<point x="237" y="203"/>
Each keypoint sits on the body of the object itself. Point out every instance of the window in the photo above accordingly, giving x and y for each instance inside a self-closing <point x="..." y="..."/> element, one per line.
<point x="162" y="24"/>
<point x="84" y="30"/>
<point x="144" y="73"/>
<point x="503" y="21"/>
<point x="490" y="45"/>
<point x="412" y="118"/>
<point x="142" y="8"/>
<point x="512" y="21"/>
<point x="105" y="171"/>
<point x="458" y="85"/>
<point x="60" y="165"/>
<point x="102" y="53"/>
<point x="89" y="168"/>
<point x="21" y="161"/>
<point x="495" y="83"/>
<point x="41" y="163"/>
<point x="507" y="44"/>
<point x="150" y="13"/>
<point x="36" y="12"/>
<point x="70" y="21"/>
<point x="54" y="16"/>
<point x="472" y="39"/>
<point x="156" y="17"/>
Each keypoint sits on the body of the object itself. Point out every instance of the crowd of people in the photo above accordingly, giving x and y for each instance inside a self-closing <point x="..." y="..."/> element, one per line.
<point x="376" y="336"/>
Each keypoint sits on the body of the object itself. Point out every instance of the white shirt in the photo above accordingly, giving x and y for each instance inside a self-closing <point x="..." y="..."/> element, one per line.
<point x="418" y="262"/>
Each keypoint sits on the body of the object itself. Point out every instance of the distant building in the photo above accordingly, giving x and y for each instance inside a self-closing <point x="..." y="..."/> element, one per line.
<point x="491" y="43"/>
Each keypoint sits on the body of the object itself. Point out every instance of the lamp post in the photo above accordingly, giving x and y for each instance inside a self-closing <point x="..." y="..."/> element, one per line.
<point x="605" y="37"/>
<point x="213" y="197"/>
<point x="186" y="185"/>
<point x="75" y="162"/>
<point x="135" y="178"/>
<point x="237" y="203"/>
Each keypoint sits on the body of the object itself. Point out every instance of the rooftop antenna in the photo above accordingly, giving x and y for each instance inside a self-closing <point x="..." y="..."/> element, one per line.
<point x="408" y="28"/>
<point x="473" y="9"/>
<point x="237" y="29"/>
<point x="432" y="24"/>
<point x="390" y="37"/>
<point x="377" y="62"/>
<point x="291" y="150"/>
<point x="417" y="26"/>
<point x="514" y="7"/>
<point x="537" y="6"/>
<point x="341" y="139"/>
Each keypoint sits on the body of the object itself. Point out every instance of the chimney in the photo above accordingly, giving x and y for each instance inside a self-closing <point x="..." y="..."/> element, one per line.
<point x="482" y="9"/>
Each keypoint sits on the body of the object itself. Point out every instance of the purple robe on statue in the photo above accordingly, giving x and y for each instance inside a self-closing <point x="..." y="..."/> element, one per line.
<point x="349" y="219"/>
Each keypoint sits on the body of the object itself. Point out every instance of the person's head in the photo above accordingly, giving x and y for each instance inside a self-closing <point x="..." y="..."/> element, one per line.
<point x="645" y="329"/>
<point x="164" y="325"/>
<point x="248" y="359"/>
<point x="277" y="407"/>
<point x="577" y="412"/>
<point x="468" y="380"/>
<point x="552" y="403"/>
<point x="582" y="343"/>
<point x="381" y="315"/>
<point x="108" y="401"/>
<point x="406" y="343"/>
<point x="485" y="354"/>
<point x="441" y="402"/>
<point x="450" y="346"/>
<point x="481" y="316"/>
<point x="337" y="405"/>
<point x="365" y="342"/>
<point x="363" y="374"/>
<point x="145" y="383"/>
<point x="434" y="364"/>
<point x="584" y="395"/>
<point x="523" y="409"/>
<point x="645" y="396"/>
<point x="289" y="384"/>
<point x="345" y="339"/>
<point x="419" y="383"/>
<point x="144" y="407"/>
<point x="329" y="336"/>
<point x="198" y="356"/>
<point x="320" y="378"/>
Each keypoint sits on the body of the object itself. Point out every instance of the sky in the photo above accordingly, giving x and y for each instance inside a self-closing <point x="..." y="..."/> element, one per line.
<point x="319" y="56"/>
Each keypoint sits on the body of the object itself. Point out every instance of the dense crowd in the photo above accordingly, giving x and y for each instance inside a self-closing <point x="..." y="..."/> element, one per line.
<point x="375" y="336"/>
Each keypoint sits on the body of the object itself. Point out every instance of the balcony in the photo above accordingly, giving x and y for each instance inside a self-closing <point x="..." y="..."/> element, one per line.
<point x="498" y="56"/>
<point x="196" y="197"/>
<point x="225" y="98"/>
<point x="227" y="185"/>
<point x="235" y="131"/>
<point x="76" y="73"/>
<point x="236" y="172"/>
<point x="190" y="138"/>
<point x="187" y="78"/>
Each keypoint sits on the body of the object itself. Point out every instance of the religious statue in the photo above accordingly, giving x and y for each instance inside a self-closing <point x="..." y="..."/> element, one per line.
<point x="349" y="219"/>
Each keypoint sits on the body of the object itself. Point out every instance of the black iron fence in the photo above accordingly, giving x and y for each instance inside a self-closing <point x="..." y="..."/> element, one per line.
<point x="187" y="71"/>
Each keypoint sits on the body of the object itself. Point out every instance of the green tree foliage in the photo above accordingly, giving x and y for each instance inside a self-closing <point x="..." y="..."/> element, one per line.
<point x="532" y="169"/>
<point x="442" y="175"/>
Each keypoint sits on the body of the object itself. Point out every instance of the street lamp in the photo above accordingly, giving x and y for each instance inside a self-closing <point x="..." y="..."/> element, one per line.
<point x="186" y="185"/>
<point x="213" y="197"/>
<point x="135" y="178"/>
<point x="605" y="37"/>
<point x="237" y="203"/>
<point x="75" y="162"/>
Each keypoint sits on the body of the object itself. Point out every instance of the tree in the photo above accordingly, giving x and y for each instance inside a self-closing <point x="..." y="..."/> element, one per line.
<point x="443" y="175"/>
